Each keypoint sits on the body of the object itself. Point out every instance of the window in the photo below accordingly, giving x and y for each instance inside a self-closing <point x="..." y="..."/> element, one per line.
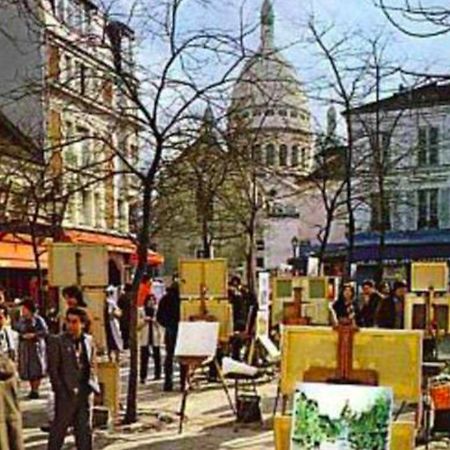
<point x="82" y="79"/>
<point x="97" y="210"/>
<point x="428" y="146"/>
<point x="270" y="112"/>
<point x="257" y="154"/>
<point x="283" y="155"/>
<point x="282" y="113"/>
<point x="68" y="71"/>
<point x="294" y="113"/>
<point x="428" y="209"/>
<point x="86" y="199"/>
<point x="303" y="162"/>
<point x="260" y="245"/>
<point x="295" y="156"/>
<point x="60" y="10"/>
<point x="270" y="155"/>
<point x="260" y="263"/>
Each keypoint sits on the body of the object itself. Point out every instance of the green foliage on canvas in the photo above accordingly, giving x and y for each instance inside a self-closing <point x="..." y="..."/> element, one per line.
<point x="367" y="430"/>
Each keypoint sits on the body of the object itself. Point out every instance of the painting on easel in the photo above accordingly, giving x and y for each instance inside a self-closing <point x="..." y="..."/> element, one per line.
<point x="341" y="417"/>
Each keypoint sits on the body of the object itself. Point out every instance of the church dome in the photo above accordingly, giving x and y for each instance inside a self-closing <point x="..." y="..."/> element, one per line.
<point x="268" y="92"/>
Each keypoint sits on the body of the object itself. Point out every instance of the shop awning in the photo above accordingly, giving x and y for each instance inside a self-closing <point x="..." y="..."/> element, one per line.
<point x="16" y="252"/>
<point x="153" y="258"/>
<point x="114" y="243"/>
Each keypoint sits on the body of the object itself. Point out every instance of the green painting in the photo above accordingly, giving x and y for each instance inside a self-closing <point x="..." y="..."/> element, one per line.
<point x="341" y="417"/>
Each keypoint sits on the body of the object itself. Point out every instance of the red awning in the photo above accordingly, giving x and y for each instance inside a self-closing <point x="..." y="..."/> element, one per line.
<point x="114" y="244"/>
<point x="153" y="258"/>
<point x="16" y="252"/>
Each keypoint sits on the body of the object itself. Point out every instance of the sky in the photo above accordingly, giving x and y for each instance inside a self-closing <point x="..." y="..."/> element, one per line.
<point x="291" y="17"/>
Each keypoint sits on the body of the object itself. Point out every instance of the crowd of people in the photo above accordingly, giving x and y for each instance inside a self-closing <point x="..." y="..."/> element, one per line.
<point x="380" y="307"/>
<point x="68" y="358"/>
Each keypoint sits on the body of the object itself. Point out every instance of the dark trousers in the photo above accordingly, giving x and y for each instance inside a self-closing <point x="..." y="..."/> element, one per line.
<point x="72" y="410"/>
<point x="170" y="338"/>
<point x="145" y="355"/>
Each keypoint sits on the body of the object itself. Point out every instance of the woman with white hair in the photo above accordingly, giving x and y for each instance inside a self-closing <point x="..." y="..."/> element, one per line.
<point x="112" y="314"/>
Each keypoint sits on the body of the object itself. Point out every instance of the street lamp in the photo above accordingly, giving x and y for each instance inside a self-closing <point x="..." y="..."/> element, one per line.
<point x="295" y="244"/>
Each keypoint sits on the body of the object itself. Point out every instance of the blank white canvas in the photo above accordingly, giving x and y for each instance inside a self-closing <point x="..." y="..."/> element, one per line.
<point x="197" y="339"/>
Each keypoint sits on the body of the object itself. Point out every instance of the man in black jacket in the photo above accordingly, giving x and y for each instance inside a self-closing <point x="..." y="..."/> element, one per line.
<point x="168" y="315"/>
<point x="370" y="302"/>
<point x="391" y="309"/>
<point x="72" y="371"/>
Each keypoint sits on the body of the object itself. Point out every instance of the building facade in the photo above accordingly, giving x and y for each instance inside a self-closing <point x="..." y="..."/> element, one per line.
<point x="413" y="135"/>
<point x="62" y="88"/>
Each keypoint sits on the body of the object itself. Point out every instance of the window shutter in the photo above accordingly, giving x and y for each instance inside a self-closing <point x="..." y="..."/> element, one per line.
<point x="444" y="208"/>
<point x="434" y="146"/>
<point x="410" y="205"/>
<point x="53" y="62"/>
<point x="422" y="146"/>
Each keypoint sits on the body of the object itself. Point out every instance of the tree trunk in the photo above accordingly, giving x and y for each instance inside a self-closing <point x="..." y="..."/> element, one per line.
<point x="37" y="263"/>
<point x="143" y="243"/>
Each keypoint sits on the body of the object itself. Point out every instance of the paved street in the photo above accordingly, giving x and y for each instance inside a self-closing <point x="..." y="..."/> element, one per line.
<point x="209" y="424"/>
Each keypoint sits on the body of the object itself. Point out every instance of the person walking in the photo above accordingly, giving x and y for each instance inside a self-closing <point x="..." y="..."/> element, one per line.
<point x="32" y="331"/>
<point x="149" y="336"/>
<point x="10" y="416"/>
<point x="168" y="316"/>
<point x="112" y="314"/>
<point x="73" y="376"/>
<point x="369" y="303"/>
<point x="391" y="310"/>
<point x="345" y="308"/>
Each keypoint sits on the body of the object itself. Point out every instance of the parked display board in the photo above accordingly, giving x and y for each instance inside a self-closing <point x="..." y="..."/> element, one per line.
<point x="80" y="264"/>
<point x="429" y="275"/>
<point x="212" y="274"/>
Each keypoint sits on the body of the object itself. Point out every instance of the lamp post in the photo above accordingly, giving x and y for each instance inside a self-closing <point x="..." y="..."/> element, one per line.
<point x="295" y="245"/>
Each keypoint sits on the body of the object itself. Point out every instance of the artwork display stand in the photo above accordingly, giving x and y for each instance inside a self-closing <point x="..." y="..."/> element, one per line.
<point x="344" y="373"/>
<point x="190" y="364"/>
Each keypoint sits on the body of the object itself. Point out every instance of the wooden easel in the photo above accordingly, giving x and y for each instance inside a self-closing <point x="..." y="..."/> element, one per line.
<point x="344" y="372"/>
<point x="191" y="364"/>
<point x="292" y="313"/>
<point x="203" y="313"/>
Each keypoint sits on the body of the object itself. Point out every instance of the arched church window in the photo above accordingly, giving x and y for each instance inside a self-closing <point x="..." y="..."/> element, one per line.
<point x="303" y="157"/>
<point x="295" y="156"/>
<point x="257" y="154"/>
<point x="283" y="155"/>
<point x="270" y="155"/>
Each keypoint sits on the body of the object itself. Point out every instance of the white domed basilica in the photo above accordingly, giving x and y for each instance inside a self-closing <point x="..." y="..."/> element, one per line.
<point x="269" y="104"/>
<point x="268" y="97"/>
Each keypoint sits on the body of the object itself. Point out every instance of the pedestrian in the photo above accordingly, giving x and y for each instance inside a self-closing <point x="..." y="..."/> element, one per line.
<point x="72" y="371"/>
<point x="168" y="316"/>
<point x="73" y="297"/>
<point x="124" y="304"/>
<point x="369" y="303"/>
<point x="112" y="315"/>
<point x="10" y="415"/>
<point x="390" y="313"/>
<point x="345" y="308"/>
<point x="32" y="331"/>
<point x="149" y="337"/>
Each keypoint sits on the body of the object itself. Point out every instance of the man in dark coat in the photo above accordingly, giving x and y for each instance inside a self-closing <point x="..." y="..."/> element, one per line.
<point x="72" y="371"/>
<point x="168" y="315"/>
<point x="390" y="313"/>
<point x="369" y="305"/>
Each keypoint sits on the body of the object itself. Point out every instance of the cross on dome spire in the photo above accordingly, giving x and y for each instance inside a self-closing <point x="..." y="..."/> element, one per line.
<point x="267" y="25"/>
